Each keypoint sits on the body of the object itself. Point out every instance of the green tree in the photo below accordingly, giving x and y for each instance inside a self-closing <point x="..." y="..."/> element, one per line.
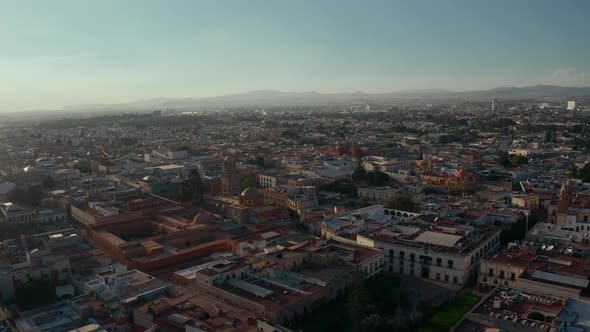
<point x="518" y="160"/>
<point x="362" y="202"/>
<point x="503" y="158"/>
<point x="48" y="182"/>
<point x="359" y="174"/>
<point x="400" y="202"/>
<point x="35" y="293"/>
<point x="358" y="301"/>
<point x="583" y="173"/>
<point x="550" y="136"/>
<point x="83" y="166"/>
<point x="31" y="196"/>
<point x="259" y="161"/>
<point x="377" y="178"/>
<point x="248" y="181"/>
<point x="192" y="189"/>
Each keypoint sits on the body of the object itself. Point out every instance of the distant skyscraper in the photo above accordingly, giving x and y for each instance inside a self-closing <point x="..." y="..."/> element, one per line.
<point x="571" y="105"/>
<point x="494" y="106"/>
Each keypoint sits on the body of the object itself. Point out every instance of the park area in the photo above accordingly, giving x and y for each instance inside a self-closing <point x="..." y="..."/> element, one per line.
<point x="394" y="304"/>
<point x="450" y="314"/>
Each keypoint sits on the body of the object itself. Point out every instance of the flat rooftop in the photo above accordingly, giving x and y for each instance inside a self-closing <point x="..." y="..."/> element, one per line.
<point x="277" y="298"/>
<point x="519" y="307"/>
<point x="457" y="240"/>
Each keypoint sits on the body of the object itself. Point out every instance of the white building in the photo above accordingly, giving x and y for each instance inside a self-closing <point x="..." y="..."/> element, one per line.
<point x="267" y="181"/>
<point x="433" y="252"/>
<point x="571" y="105"/>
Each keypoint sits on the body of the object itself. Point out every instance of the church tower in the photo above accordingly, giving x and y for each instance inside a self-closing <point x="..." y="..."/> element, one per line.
<point x="565" y="197"/>
<point x="230" y="182"/>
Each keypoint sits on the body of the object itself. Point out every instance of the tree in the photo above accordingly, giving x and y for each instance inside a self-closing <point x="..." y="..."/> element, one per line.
<point x="583" y="173"/>
<point x="377" y="178"/>
<point x="357" y="301"/>
<point x="359" y="174"/>
<point x="83" y="166"/>
<point x="248" y="182"/>
<point x="503" y="158"/>
<point x="48" y="182"/>
<point x="550" y="136"/>
<point x="259" y="161"/>
<point x="192" y="189"/>
<point x="518" y="229"/>
<point x="399" y="202"/>
<point x="35" y="293"/>
<point x="518" y="160"/>
<point x="128" y="141"/>
<point x="31" y="196"/>
<point x="361" y="202"/>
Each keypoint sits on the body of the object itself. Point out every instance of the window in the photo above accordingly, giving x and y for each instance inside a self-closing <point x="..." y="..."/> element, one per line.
<point x="585" y="218"/>
<point x="501" y="274"/>
<point x="455" y="280"/>
<point x="438" y="276"/>
<point x="450" y="263"/>
<point x="401" y="254"/>
<point x="412" y="256"/>
<point x="438" y="261"/>
<point x="446" y="277"/>
<point x="491" y="273"/>
<point x="512" y="276"/>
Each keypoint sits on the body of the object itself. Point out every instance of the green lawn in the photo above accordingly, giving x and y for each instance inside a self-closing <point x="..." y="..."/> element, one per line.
<point x="450" y="314"/>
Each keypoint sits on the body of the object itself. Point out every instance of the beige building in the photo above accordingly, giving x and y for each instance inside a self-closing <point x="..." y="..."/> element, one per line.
<point x="536" y="271"/>
<point x="529" y="202"/>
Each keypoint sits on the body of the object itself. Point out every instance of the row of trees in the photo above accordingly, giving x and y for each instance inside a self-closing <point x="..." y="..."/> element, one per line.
<point x="193" y="189"/>
<point x="510" y="160"/>
<point x="383" y="306"/>
<point x="400" y="202"/>
<point x="372" y="178"/>
<point x="582" y="173"/>
<point x="31" y="196"/>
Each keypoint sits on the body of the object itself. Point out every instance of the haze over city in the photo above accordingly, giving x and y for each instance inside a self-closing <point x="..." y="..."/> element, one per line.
<point x="294" y="166"/>
<point x="63" y="53"/>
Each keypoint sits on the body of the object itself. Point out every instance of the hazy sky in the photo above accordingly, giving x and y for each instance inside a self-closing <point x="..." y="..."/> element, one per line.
<point x="55" y="53"/>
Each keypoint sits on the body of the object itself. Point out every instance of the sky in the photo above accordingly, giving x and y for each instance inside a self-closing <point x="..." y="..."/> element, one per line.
<point x="59" y="52"/>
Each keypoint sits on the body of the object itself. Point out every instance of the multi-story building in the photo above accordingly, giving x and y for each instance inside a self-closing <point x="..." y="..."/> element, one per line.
<point x="376" y="194"/>
<point x="544" y="271"/>
<point x="12" y="213"/>
<point x="529" y="202"/>
<point x="267" y="181"/>
<point x="39" y="264"/>
<point x="433" y="252"/>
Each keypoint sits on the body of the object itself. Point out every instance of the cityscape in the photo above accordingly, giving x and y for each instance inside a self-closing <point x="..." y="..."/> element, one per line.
<point x="130" y="204"/>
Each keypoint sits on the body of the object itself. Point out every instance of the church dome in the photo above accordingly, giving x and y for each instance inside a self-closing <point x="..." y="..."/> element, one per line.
<point x="203" y="217"/>
<point x="250" y="193"/>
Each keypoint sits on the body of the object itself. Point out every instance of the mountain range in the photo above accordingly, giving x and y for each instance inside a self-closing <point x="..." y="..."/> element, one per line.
<point x="310" y="98"/>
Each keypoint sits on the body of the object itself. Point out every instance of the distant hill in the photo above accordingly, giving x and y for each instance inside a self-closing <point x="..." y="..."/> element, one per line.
<point x="280" y="98"/>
